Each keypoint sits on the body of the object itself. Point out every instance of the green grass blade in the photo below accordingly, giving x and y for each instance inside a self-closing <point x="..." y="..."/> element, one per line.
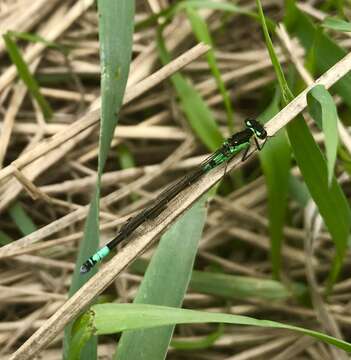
<point x="35" y="38"/>
<point x="299" y="191"/>
<point x="216" y="5"/>
<point x="125" y="157"/>
<point x="223" y="6"/>
<point x="165" y="283"/>
<point x="196" y="110"/>
<point x="126" y="161"/>
<point x="116" y="44"/>
<point x="26" y="76"/>
<point x="168" y="13"/>
<point x="202" y="343"/>
<point x="202" y="33"/>
<point x="337" y="24"/>
<point x="21" y="219"/>
<point x="331" y="201"/>
<point x="82" y="331"/>
<point x="323" y="110"/>
<point x="4" y="238"/>
<point x="112" y="318"/>
<point x="115" y="53"/>
<point x="276" y="162"/>
<point x="243" y="287"/>
<point x="284" y="88"/>
<point x="235" y="287"/>
<point x="326" y="51"/>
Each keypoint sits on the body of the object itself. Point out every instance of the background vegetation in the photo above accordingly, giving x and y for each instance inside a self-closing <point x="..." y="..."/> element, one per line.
<point x="269" y="241"/>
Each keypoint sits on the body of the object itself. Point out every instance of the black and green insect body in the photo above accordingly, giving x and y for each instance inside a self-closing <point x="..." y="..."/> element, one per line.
<point x="232" y="146"/>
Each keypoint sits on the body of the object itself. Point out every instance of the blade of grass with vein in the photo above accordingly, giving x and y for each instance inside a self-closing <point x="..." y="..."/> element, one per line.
<point x="235" y="287"/>
<point x="223" y="6"/>
<point x="337" y="24"/>
<point x="287" y="95"/>
<point x="276" y="162"/>
<point x="115" y="53"/>
<point x="21" y="219"/>
<point x="299" y="191"/>
<point x="331" y="200"/>
<point x="113" y="318"/>
<point x="202" y="33"/>
<point x="322" y="108"/>
<point x="243" y="287"/>
<point x="125" y="157"/>
<point x="198" y="344"/>
<point x="26" y="76"/>
<point x="196" y="110"/>
<point x="165" y="283"/>
<point x="35" y="38"/>
<point x="126" y="161"/>
<point x="4" y="238"/>
<point x="115" y="43"/>
<point x="82" y="332"/>
<point x="326" y="51"/>
<point x="168" y="13"/>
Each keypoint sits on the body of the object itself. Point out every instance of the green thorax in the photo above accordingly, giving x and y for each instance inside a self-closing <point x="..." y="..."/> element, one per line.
<point x="222" y="157"/>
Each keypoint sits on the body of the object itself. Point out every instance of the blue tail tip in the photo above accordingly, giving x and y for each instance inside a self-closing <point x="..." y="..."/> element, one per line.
<point x="85" y="268"/>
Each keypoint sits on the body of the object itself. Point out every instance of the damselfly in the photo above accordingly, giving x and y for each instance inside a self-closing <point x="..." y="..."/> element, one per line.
<point x="233" y="145"/>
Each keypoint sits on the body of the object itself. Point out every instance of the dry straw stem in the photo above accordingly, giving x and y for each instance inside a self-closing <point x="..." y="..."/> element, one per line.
<point x="314" y="224"/>
<point x="58" y="23"/>
<point x="31" y="169"/>
<point x="93" y="117"/>
<point x="151" y="231"/>
<point x="306" y="76"/>
<point x="22" y="21"/>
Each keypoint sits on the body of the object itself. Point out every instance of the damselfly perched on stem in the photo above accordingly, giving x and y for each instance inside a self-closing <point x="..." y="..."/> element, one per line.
<point x="232" y="146"/>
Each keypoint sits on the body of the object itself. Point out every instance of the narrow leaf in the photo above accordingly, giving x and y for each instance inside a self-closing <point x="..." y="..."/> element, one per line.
<point x="284" y="88"/>
<point x="202" y="343"/>
<point x="196" y="110"/>
<point x="323" y="110"/>
<point x="26" y="76"/>
<point x="4" y="238"/>
<point x="202" y="33"/>
<point x="276" y="162"/>
<point x="115" y="55"/>
<point x="223" y="6"/>
<point x="165" y="283"/>
<point x="331" y="201"/>
<point x="235" y="287"/>
<point x="112" y="318"/>
<point x="326" y="51"/>
<point x="242" y="287"/>
<point x="83" y="330"/>
<point x="336" y="24"/>
<point x="299" y="191"/>
<point x="21" y="219"/>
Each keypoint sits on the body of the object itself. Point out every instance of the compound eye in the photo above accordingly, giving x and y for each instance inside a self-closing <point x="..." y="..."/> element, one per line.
<point x="248" y="123"/>
<point x="262" y="134"/>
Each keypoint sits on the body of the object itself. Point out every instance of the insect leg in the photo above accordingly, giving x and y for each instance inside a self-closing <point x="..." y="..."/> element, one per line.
<point x="246" y="155"/>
